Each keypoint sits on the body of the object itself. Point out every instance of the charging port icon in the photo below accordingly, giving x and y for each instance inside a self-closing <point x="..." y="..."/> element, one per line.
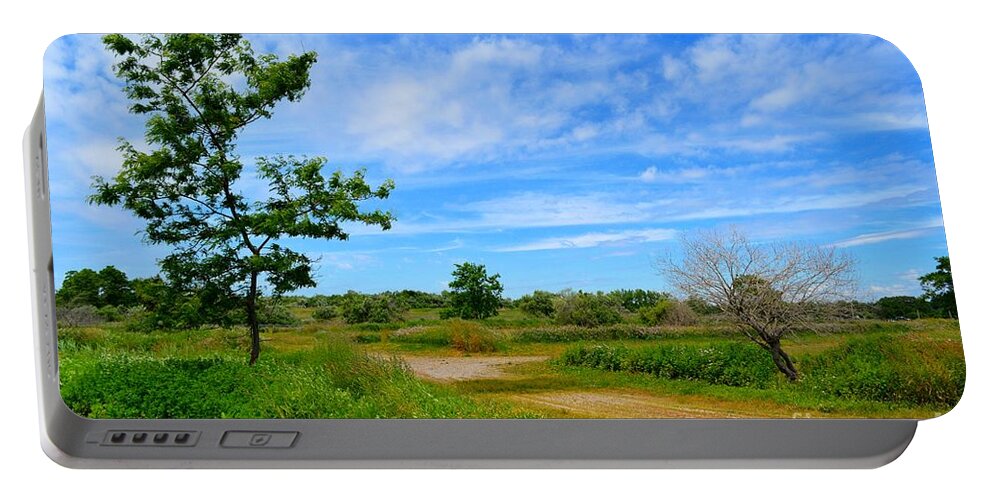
<point x="260" y="439"/>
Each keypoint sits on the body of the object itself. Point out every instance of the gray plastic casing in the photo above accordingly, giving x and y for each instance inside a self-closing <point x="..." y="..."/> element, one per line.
<point x="78" y="442"/>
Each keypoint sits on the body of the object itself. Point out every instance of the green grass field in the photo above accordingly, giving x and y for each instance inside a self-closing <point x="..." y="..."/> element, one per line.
<point x="509" y="366"/>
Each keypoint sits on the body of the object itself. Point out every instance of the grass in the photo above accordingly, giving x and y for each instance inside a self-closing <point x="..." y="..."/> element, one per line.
<point x="162" y="377"/>
<point x="328" y="369"/>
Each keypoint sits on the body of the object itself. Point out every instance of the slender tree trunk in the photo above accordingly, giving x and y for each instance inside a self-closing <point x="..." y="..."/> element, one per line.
<point x="253" y="319"/>
<point x="782" y="360"/>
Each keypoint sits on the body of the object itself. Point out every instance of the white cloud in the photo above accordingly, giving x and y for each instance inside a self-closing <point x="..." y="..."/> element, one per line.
<point x="650" y="174"/>
<point x="691" y="174"/>
<point x="905" y="283"/>
<point x="872" y="238"/>
<point x="589" y="240"/>
<point x="345" y="261"/>
<point x="785" y="82"/>
<point x="455" y="244"/>
<point x="672" y="68"/>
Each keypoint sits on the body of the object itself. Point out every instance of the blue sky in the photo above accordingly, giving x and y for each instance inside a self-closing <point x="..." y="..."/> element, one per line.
<point x="557" y="161"/>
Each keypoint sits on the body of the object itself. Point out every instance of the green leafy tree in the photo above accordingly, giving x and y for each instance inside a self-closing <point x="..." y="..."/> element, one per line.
<point x="79" y="288"/>
<point x="115" y="288"/>
<point x="108" y="287"/>
<point x="939" y="289"/>
<point x="474" y="294"/>
<point x="199" y="92"/>
<point x="902" y="307"/>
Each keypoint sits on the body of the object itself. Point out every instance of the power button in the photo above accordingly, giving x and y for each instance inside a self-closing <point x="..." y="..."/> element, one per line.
<point x="261" y="439"/>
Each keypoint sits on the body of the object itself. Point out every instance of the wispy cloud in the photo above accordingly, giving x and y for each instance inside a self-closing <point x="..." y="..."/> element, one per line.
<point x="872" y="238"/>
<point x="690" y="174"/>
<point x="589" y="240"/>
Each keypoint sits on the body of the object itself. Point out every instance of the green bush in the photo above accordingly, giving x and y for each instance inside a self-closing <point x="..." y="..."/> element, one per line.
<point x="888" y="368"/>
<point x="330" y="381"/>
<point x="670" y="312"/>
<point x="587" y="309"/>
<point x="724" y="363"/>
<point x="622" y="331"/>
<point x="635" y="300"/>
<point x="325" y="313"/>
<point x="540" y="304"/>
<point x="274" y="311"/>
<point x="109" y="313"/>
<point x="373" y="309"/>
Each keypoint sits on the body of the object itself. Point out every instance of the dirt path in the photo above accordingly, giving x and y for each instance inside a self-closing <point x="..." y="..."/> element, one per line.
<point x="591" y="403"/>
<point x="467" y="368"/>
<point x="615" y="404"/>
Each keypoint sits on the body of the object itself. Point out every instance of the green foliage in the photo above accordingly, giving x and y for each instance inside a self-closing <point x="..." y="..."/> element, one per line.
<point x="572" y="333"/>
<point x="200" y="92"/>
<point x="939" y="290"/>
<point x="587" y="309"/>
<point x="115" y="288"/>
<point x="539" y="304"/>
<point x="273" y="311"/>
<point x="330" y="381"/>
<point x="701" y="306"/>
<point x="902" y="307"/>
<point x="670" y="312"/>
<point x="325" y="313"/>
<point x="474" y="294"/>
<point x="108" y="287"/>
<point x="891" y="369"/>
<point x="722" y="363"/>
<point x="384" y="308"/>
<point x="110" y="313"/>
<point x="79" y="288"/>
<point x="637" y="299"/>
<point x="420" y="300"/>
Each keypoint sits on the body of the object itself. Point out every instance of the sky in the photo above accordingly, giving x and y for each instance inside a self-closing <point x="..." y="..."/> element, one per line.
<point x="557" y="161"/>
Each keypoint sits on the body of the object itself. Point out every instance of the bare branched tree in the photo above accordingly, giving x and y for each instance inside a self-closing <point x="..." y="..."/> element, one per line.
<point x="768" y="290"/>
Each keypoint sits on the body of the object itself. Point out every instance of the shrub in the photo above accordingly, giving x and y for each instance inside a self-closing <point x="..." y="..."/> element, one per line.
<point x="621" y="331"/>
<point x="325" y="313"/>
<point x="702" y="307"/>
<point x="587" y="309"/>
<point x="669" y="312"/>
<point x="540" y="304"/>
<point x="77" y="316"/>
<point x="373" y="309"/>
<point x="723" y="363"/>
<point x="109" y="313"/>
<point x="635" y="300"/>
<point x="467" y="336"/>
<point x="890" y="368"/>
<point x="273" y="311"/>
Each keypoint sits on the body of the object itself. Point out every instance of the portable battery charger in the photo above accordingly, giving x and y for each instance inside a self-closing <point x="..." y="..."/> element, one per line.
<point x="486" y="251"/>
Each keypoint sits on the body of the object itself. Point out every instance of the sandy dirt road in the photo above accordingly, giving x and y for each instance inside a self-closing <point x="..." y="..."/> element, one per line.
<point x="592" y="403"/>
<point x="448" y="369"/>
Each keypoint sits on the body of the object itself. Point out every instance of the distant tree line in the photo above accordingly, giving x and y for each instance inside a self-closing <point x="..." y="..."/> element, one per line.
<point x="937" y="301"/>
<point x="88" y="296"/>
